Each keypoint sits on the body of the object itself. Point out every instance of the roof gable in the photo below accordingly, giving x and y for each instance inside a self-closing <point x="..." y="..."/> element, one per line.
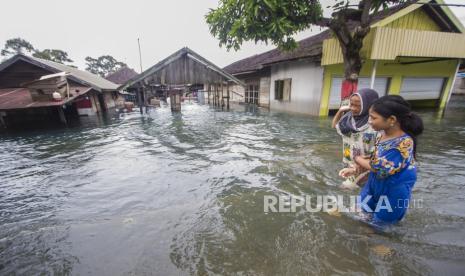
<point x="440" y="14"/>
<point x="416" y="20"/>
<point x="174" y="70"/>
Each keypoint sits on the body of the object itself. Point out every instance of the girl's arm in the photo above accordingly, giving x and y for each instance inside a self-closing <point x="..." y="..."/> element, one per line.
<point x="390" y="163"/>
<point x="363" y="161"/>
<point x="338" y="115"/>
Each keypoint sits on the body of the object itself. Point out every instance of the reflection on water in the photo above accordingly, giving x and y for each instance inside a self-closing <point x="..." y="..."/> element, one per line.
<point x="183" y="194"/>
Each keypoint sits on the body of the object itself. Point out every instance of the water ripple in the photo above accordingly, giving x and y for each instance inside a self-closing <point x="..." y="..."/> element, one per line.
<point x="183" y="193"/>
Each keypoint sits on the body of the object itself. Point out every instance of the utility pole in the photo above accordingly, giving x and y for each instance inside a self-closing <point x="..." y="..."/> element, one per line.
<point x="140" y="55"/>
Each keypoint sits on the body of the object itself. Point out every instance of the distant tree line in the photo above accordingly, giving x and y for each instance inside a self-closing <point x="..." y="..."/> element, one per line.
<point x="102" y="65"/>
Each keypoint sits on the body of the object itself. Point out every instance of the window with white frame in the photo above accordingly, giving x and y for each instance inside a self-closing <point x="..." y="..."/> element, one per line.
<point x="252" y="93"/>
<point x="282" y="89"/>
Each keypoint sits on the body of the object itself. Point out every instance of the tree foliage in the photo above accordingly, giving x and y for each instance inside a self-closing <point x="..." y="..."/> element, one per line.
<point x="103" y="65"/>
<point x="236" y="21"/>
<point x="15" y="46"/>
<point x="18" y="45"/>
<point x="53" y="55"/>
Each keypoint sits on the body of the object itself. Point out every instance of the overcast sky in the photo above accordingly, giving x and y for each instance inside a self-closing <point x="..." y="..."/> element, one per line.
<point x="93" y="28"/>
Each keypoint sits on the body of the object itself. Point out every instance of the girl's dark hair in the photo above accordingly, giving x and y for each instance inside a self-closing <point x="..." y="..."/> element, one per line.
<point x="394" y="105"/>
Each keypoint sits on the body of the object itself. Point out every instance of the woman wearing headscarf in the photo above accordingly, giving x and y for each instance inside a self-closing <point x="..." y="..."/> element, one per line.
<point x="358" y="138"/>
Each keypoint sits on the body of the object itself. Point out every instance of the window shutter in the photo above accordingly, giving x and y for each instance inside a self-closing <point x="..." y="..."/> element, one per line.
<point x="276" y="83"/>
<point x="278" y="90"/>
<point x="287" y="90"/>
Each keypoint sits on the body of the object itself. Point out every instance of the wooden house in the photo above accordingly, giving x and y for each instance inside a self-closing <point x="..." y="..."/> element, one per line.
<point x="178" y="75"/>
<point x="28" y="86"/>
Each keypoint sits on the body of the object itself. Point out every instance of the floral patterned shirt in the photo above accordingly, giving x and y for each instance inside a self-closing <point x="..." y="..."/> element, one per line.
<point x="360" y="143"/>
<point x="392" y="156"/>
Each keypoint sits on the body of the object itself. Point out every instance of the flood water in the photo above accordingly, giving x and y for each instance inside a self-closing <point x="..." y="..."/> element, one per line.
<point x="180" y="194"/>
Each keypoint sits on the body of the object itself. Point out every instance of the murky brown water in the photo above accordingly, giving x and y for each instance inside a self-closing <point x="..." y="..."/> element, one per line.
<point x="170" y="194"/>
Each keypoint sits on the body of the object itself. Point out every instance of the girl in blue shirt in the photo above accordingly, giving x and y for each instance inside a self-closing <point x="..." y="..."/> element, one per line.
<point x="392" y="166"/>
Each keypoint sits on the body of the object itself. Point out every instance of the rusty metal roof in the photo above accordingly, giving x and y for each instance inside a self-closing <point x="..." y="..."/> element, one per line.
<point x="20" y="98"/>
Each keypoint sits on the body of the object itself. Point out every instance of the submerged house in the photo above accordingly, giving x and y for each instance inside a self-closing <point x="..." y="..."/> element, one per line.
<point x="182" y="73"/>
<point x="121" y="76"/>
<point x="34" y="90"/>
<point x="412" y="50"/>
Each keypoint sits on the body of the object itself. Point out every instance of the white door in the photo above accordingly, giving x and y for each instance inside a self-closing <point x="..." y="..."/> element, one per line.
<point x="421" y="88"/>
<point x="381" y="86"/>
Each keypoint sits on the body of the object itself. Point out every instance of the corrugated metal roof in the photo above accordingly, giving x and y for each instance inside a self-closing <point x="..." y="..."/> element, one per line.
<point x="20" y="98"/>
<point x="84" y="77"/>
<point x="391" y="43"/>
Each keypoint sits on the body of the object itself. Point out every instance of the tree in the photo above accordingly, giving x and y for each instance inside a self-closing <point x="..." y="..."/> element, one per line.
<point x="103" y="65"/>
<point x="15" y="46"/>
<point x="21" y="46"/>
<point x="53" y="55"/>
<point x="236" y="21"/>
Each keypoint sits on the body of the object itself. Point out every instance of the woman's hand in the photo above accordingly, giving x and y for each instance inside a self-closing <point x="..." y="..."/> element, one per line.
<point x="344" y="108"/>
<point x="339" y="114"/>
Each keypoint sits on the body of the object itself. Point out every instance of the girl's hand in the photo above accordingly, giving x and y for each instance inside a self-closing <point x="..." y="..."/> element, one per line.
<point x="359" y="158"/>
<point x="363" y="162"/>
<point x="347" y="172"/>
